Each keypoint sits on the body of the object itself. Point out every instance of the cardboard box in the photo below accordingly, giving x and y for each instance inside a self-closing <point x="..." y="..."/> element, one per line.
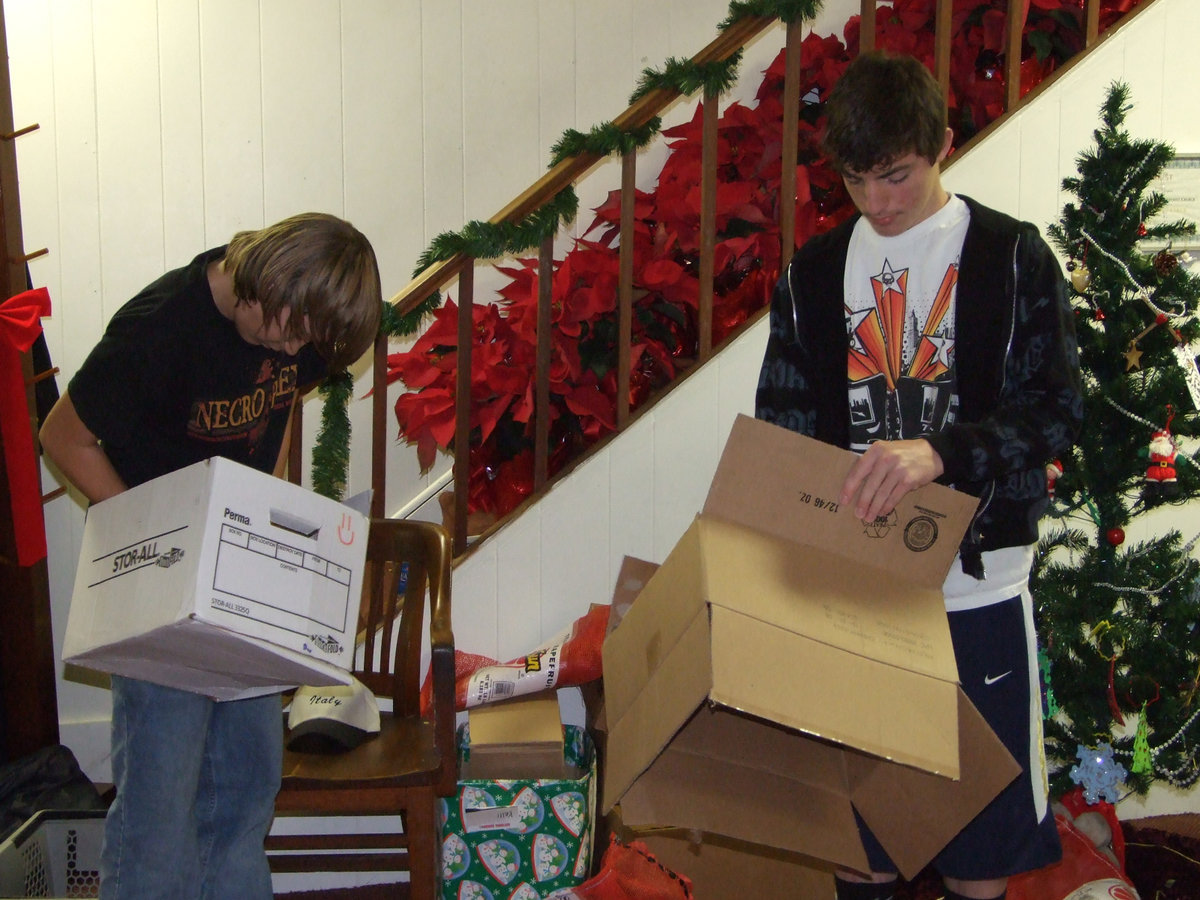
<point x="517" y="739"/>
<point x="218" y="579"/>
<point x="789" y="663"/>
<point x="520" y="838"/>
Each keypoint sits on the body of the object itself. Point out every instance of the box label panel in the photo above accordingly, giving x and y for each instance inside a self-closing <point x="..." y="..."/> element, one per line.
<point x="273" y="574"/>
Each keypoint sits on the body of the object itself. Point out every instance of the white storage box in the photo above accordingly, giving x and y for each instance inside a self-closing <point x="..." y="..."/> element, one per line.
<point x="54" y="854"/>
<point x="218" y="579"/>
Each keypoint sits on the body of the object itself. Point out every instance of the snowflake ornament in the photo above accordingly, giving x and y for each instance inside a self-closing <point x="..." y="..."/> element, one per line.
<point x="1097" y="773"/>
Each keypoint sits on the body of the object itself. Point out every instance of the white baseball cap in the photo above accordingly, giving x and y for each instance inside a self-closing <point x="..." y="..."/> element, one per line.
<point x="331" y="718"/>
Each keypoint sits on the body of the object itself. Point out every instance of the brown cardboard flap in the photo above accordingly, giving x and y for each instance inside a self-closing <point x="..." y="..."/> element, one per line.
<point x="730" y="775"/>
<point x="915" y="814"/>
<point x="826" y="692"/>
<point x="808" y="590"/>
<point x="652" y="627"/>
<point x="634" y="575"/>
<point x="917" y="541"/>
<point x="679" y="685"/>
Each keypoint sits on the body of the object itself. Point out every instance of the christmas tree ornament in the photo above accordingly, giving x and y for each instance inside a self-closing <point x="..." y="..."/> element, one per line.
<point x="1161" y="477"/>
<point x="1095" y="636"/>
<point x="1054" y="470"/>
<point x="1141" y="746"/>
<point x="1165" y="262"/>
<point x="1115" y="536"/>
<point x="1133" y="356"/>
<point x="1098" y="774"/>
<point x="1081" y="278"/>
<point x="1141" y="229"/>
<point x="1192" y="688"/>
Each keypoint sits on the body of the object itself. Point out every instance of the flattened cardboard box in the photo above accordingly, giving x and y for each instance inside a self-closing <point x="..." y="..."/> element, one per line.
<point x="221" y="580"/>
<point x="789" y="663"/>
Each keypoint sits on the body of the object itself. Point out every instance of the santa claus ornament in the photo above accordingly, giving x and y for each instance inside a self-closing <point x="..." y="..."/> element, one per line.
<point x="1054" y="470"/>
<point x="1161" y="481"/>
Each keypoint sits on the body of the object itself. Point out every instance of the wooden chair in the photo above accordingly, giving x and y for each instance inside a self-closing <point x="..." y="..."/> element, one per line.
<point x="412" y="761"/>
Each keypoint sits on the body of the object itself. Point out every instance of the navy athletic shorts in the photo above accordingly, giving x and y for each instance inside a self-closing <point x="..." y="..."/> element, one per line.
<point x="996" y="650"/>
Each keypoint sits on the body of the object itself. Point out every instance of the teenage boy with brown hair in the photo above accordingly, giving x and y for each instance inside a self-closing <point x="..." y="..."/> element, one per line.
<point x="933" y="335"/>
<point x="207" y="361"/>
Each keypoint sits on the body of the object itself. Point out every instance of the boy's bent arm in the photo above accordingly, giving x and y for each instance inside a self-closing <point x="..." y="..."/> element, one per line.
<point x="77" y="453"/>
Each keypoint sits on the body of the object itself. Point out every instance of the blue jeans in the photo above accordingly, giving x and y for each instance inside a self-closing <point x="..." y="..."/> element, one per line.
<point x="196" y="783"/>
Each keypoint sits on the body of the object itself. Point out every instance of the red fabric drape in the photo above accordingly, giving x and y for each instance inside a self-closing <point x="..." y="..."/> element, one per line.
<point x="20" y="325"/>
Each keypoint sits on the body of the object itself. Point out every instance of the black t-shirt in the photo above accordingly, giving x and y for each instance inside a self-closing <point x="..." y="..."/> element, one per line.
<point x="172" y="382"/>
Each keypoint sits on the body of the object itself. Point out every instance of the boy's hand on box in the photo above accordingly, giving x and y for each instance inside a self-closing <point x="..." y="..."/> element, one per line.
<point x="886" y="472"/>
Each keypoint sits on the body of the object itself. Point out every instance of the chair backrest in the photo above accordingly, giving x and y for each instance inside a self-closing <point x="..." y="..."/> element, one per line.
<point x="406" y="562"/>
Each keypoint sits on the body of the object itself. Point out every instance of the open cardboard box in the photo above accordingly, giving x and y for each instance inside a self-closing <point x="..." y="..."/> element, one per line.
<point x="789" y="663"/>
<point x="221" y="580"/>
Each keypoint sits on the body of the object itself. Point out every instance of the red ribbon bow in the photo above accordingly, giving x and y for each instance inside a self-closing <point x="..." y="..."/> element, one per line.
<point x="20" y="325"/>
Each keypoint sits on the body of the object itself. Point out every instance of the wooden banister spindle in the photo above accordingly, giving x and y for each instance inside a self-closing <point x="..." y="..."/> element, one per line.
<point x="1091" y="22"/>
<point x="943" y="23"/>
<point x="295" y="448"/>
<point x="625" y="285"/>
<point x="541" y="388"/>
<point x="1015" y="27"/>
<point x="379" y="429"/>
<point x="462" y="404"/>
<point x="790" y="149"/>
<point x="866" y="30"/>
<point x="708" y="220"/>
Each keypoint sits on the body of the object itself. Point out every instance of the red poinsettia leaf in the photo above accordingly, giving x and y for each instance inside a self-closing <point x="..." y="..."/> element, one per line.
<point x="589" y="401"/>
<point x="659" y="273"/>
<point x="522" y="408"/>
<point x="994" y="24"/>
<point x="426" y="451"/>
<point x="489" y="414"/>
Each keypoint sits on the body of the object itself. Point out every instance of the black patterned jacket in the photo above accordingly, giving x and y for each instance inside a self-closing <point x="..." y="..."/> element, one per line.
<point x="1017" y="364"/>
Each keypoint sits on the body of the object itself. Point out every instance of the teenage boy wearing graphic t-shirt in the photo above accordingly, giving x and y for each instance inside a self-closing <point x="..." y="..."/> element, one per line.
<point x="207" y="361"/>
<point x="933" y="335"/>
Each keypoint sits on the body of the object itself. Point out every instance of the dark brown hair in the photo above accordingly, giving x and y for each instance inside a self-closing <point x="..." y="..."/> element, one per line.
<point x="883" y="107"/>
<point x="323" y="270"/>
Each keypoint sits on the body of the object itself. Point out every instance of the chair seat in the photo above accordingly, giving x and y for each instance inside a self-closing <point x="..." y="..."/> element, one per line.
<point x="401" y="754"/>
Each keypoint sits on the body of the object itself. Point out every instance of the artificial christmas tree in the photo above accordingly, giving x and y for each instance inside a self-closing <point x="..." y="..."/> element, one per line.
<point x="1120" y="622"/>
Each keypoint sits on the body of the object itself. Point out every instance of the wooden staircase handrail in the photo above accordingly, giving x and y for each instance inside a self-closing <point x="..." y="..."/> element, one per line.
<point x="570" y="170"/>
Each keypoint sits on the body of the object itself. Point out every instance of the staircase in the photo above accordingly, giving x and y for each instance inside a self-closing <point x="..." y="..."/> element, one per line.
<point x="529" y="576"/>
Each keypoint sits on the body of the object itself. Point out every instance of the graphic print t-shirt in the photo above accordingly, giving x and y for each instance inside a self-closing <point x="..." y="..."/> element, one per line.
<point x="900" y="295"/>
<point x="172" y="383"/>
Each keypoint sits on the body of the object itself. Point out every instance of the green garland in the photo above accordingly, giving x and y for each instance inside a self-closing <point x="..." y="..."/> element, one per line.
<point x="333" y="439"/>
<point x="788" y="11"/>
<point x="603" y="140"/>
<point x="686" y="77"/>
<point x="492" y="240"/>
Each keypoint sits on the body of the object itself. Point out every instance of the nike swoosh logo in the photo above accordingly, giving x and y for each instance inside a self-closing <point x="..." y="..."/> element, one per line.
<point x="992" y="679"/>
